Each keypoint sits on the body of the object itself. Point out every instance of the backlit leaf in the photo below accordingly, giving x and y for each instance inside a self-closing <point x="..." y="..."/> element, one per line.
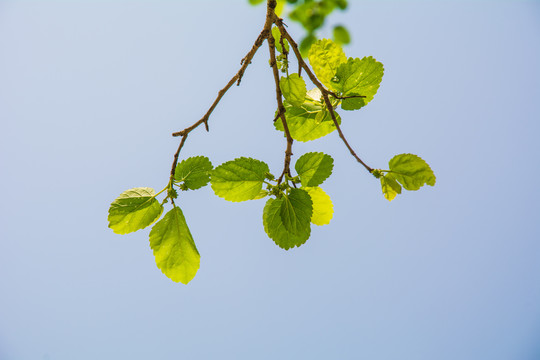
<point x="358" y="77"/>
<point x="307" y="122"/>
<point x="273" y="225"/>
<point x="174" y="249"/>
<point x="277" y="40"/>
<point x="323" y="209"/>
<point x="133" y="210"/>
<point x="314" y="168"/>
<point x="293" y="88"/>
<point x="239" y="180"/>
<point x="411" y="171"/>
<point x="194" y="172"/>
<point x="390" y="187"/>
<point x="296" y="210"/>
<point x="325" y="56"/>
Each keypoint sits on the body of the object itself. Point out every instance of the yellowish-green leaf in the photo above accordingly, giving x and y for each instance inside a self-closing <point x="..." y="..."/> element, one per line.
<point x="390" y="187"/>
<point x="194" y="172"/>
<point x="358" y="77"/>
<point x="239" y="180"/>
<point x="306" y="122"/>
<point x="325" y="56"/>
<point x="277" y="40"/>
<point x="133" y="210"/>
<point x="174" y="249"/>
<point x="314" y="168"/>
<point x="411" y="171"/>
<point x="293" y="88"/>
<point x="323" y="209"/>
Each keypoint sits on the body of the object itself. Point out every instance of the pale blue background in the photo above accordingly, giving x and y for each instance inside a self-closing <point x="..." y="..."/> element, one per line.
<point x="89" y="94"/>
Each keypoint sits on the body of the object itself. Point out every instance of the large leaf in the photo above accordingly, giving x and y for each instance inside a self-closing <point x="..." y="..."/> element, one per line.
<point x="358" y="77"/>
<point x="133" y="210"/>
<point x="296" y="210"/>
<point x="194" y="172"/>
<point x="273" y="225"/>
<point x="390" y="187"/>
<point x="325" y="56"/>
<point x="411" y="171"/>
<point x="240" y="179"/>
<point x="323" y="209"/>
<point x="174" y="249"/>
<point x="293" y="88"/>
<point x="307" y="122"/>
<point x="314" y="168"/>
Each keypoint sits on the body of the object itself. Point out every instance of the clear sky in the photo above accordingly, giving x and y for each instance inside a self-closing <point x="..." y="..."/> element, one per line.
<point x="89" y="94"/>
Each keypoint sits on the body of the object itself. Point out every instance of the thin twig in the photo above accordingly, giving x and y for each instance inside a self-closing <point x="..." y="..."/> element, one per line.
<point x="281" y="110"/>
<point x="325" y="92"/>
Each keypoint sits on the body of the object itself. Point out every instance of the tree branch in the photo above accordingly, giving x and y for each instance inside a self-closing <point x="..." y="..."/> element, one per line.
<point x="281" y="109"/>
<point x="325" y="92"/>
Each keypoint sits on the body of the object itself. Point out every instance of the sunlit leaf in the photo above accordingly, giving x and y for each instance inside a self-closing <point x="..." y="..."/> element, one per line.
<point x="133" y="210"/>
<point x="239" y="180"/>
<point x="323" y="209"/>
<point x="314" y="168"/>
<point x="411" y="171"/>
<point x="174" y="249"/>
<point x="194" y="172"/>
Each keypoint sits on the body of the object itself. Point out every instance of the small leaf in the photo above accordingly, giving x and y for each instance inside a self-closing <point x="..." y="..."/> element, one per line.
<point x="341" y="35"/>
<point x="325" y="56"/>
<point x="194" y="172"/>
<point x="323" y="209"/>
<point x="314" y="168"/>
<point x="411" y="171"/>
<point x="293" y="88"/>
<point x="240" y="179"/>
<point x="274" y="228"/>
<point x="174" y="249"/>
<point x="296" y="210"/>
<point x="255" y="2"/>
<point x="133" y="210"/>
<point x="358" y="77"/>
<point x="390" y="187"/>
<point x="277" y="40"/>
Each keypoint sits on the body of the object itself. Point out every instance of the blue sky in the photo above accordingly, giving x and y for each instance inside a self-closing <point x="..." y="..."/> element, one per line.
<point x="89" y="94"/>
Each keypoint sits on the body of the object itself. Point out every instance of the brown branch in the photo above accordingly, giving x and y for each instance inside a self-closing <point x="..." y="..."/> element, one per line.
<point x="246" y="60"/>
<point x="281" y="109"/>
<point x="325" y="92"/>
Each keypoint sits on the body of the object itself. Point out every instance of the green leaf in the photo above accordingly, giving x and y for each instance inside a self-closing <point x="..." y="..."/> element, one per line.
<point x="133" y="210"/>
<point x="358" y="77"/>
<point x="174" y="249"/>
<point x="274" y="228"/>
<point x="323" y="209"/>
<point x="294" y="89"/>
<point x="390" y="187"/>
<point x="353" y="103"/>
<point x="314" y="168"/>
<point x="325" y="56"/>
<point x="194" y="172"/>
<point x="411" y="171"/>
<point x="255" y="2"/>
<point x="277" y="36"/>
<point x="239" y="180"/>
<point x="296" y="210"/>
<point x="341" y="35"/>
<point x="309" y="121"/>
